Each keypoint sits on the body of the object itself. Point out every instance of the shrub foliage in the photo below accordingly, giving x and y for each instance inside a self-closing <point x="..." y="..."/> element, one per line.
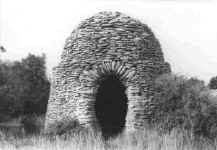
<point x="213" y="83"/>
<point x="24" y="87"/>
<point x="184" y="103"/>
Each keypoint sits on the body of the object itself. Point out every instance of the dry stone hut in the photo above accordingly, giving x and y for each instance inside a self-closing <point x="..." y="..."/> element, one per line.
<point x="105" y="77"/>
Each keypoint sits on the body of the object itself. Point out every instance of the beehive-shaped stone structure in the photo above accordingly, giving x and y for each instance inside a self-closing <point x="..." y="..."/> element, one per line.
<point x="105" y="77"/>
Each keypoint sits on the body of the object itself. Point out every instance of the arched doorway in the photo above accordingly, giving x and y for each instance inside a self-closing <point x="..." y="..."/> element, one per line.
<point x="111" y="105"/>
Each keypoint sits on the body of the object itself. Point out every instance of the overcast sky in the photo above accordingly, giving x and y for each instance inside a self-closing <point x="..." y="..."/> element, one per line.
<point x="187" y="30"/>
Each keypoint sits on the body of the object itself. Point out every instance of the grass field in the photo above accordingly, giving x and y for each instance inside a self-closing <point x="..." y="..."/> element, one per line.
<point x="146" y="140"/>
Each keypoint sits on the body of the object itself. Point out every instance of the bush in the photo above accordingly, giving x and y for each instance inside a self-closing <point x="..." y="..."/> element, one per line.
<point x="32" y="124"/>
<point x="65" y="126"/>
<point x="213" y="83"/>
<point x="184" y="103"/>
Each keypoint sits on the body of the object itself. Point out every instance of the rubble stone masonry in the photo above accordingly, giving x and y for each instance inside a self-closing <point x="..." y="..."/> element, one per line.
<point x="107" y="43"/>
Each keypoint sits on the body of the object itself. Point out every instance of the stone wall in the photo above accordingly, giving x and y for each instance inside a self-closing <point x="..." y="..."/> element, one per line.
<point x="108" y="42"/>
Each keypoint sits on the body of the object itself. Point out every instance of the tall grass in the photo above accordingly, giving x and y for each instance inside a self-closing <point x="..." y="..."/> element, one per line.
<point x="145" y="140"/>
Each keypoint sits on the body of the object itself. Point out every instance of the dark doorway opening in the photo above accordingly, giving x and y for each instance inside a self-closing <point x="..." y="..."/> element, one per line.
<point x="111" y="105"/>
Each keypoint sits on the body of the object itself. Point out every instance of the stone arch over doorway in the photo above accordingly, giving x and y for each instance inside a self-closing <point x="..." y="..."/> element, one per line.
<point x="110" y="89"/>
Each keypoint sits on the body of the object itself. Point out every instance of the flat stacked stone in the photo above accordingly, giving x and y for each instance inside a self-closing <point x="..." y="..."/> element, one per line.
<point x="108" y="42"/>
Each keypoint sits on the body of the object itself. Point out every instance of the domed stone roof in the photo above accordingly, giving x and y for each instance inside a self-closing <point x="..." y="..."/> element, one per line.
<point x="106" y="74"/>
<point x="112" y="34"/>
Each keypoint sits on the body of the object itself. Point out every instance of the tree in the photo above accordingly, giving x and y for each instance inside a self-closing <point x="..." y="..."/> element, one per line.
<point x="213" y="83"/>
<point x="2" y="49"/>
<point x="36" y="97"/>
<point x="24" y="87"/>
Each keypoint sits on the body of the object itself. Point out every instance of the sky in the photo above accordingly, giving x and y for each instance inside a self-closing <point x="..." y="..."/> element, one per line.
<point x="186" y="29"/>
